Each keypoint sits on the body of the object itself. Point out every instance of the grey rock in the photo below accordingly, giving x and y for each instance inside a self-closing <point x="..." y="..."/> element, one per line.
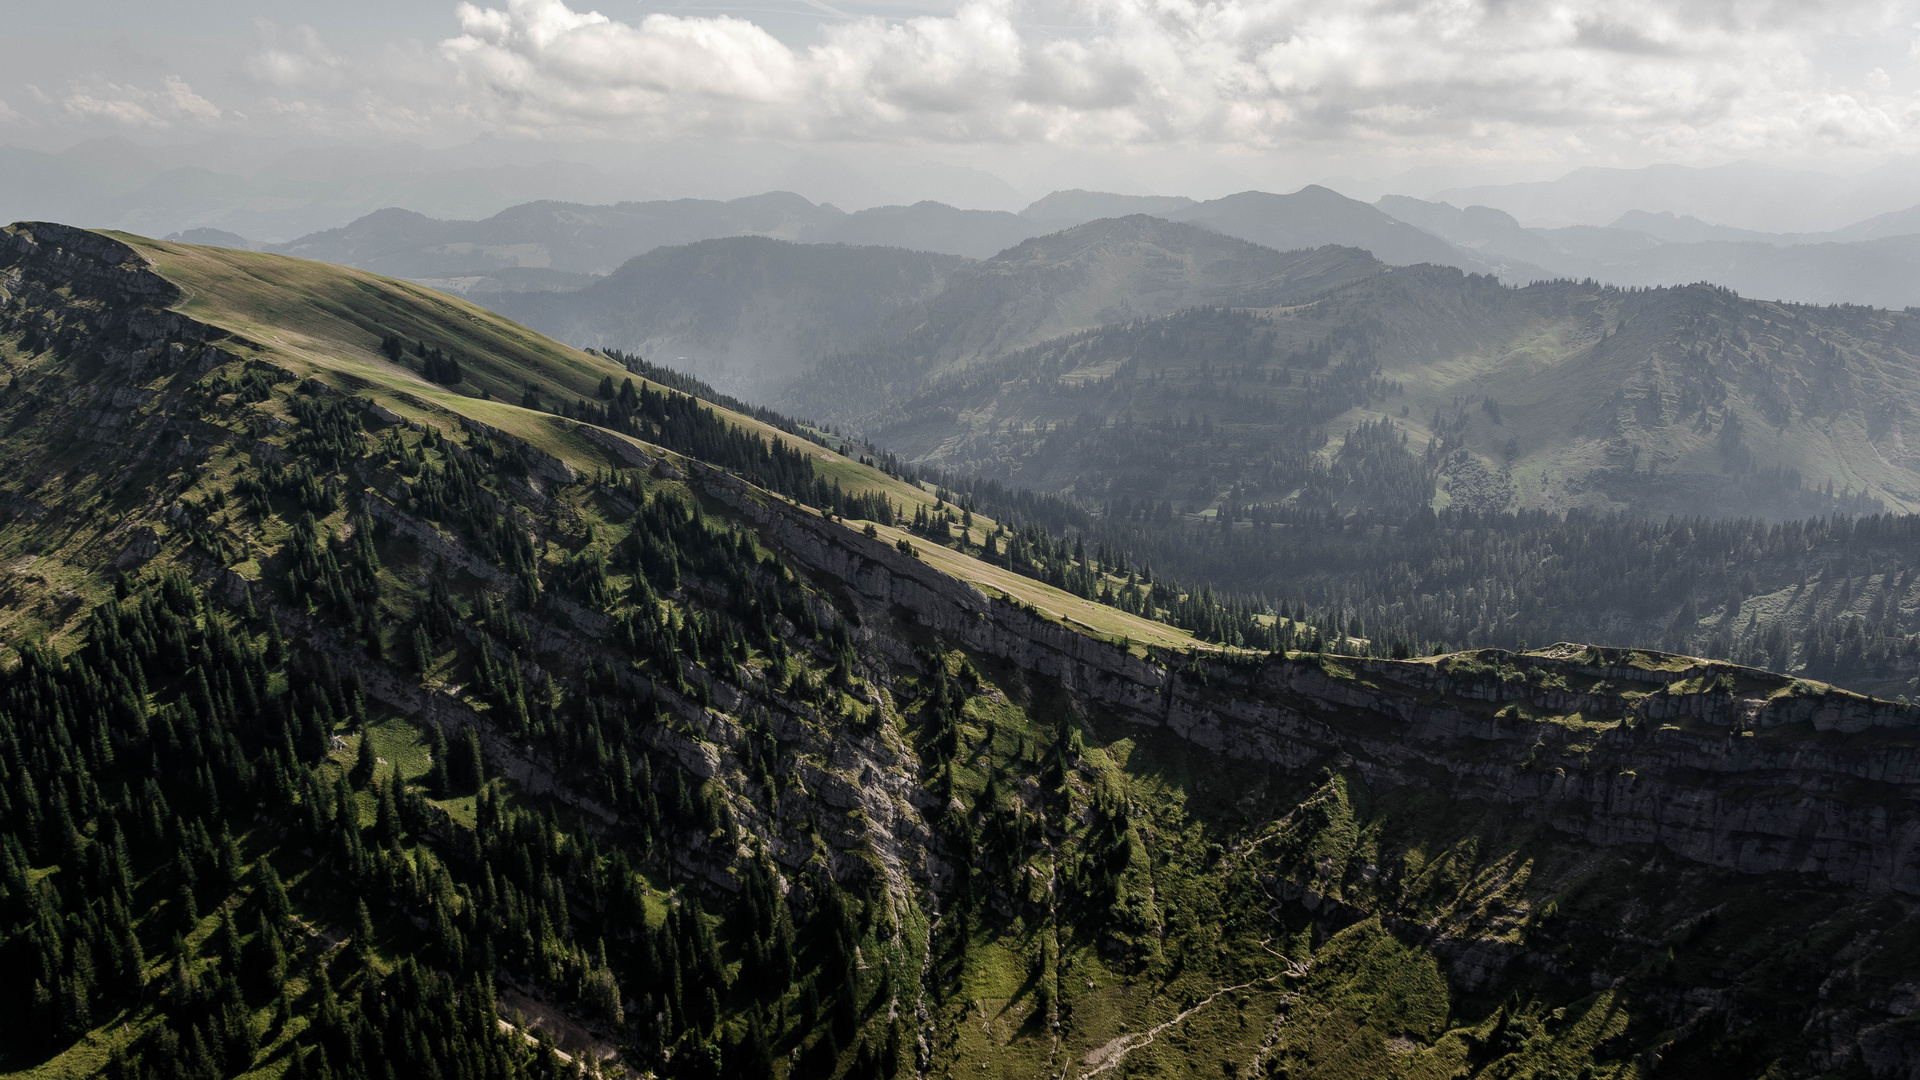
<point x="626" y="453"/>
<point x="143" y="545"/>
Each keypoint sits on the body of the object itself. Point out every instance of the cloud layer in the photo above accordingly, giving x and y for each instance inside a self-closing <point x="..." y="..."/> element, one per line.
<point x="1471" y="79"/>
<point x="1264" y="73"/>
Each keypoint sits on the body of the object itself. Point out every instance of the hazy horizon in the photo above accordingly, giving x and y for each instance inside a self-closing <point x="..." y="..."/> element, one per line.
<point x="982" y="104"/>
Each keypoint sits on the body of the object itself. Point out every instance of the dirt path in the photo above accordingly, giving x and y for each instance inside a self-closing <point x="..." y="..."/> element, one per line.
<point x="1273" y="1035"/>
<point x="532" y="1041"/>
<point x="1106" y="1057"/>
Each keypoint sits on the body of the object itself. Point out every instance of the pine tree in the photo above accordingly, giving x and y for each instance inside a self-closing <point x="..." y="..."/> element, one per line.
<point x="472" y="762"/>
<point x="420" y="654"/>
<point x="437" y="769"/>
<point x="198" y="1062"/>
<point x="229" y="936"/>
<point x="365" y="762"/>
<point x="186" y="910"/>
<point x="270" y="963"/>
<point x="133" y="964"/>
<point x="273" y="895"/>
<point x="362" y="933"/>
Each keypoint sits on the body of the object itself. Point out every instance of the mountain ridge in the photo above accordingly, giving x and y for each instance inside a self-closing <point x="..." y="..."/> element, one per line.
<point x="1102" y="272"/>
<point x="1868" y="262"/>
<point x="582" y="238"/>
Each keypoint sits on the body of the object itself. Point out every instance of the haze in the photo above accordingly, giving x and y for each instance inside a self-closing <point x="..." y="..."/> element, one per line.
<point x="317" y="114"/>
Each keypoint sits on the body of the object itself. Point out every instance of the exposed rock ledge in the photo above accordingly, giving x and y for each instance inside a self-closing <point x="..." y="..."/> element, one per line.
<point x="1823" y="784"/>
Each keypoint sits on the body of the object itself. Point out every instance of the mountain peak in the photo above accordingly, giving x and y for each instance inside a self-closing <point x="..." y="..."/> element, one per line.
<point x="1079" y="205"/>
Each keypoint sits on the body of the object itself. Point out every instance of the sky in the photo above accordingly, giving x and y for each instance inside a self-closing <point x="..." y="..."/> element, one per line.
<point x="1153" y="96"/>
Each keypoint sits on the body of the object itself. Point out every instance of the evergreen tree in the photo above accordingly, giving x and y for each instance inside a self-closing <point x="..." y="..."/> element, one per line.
<point x="362" y="933"/>
<point x="472" y="764"/>
<point x="364" y="763"/>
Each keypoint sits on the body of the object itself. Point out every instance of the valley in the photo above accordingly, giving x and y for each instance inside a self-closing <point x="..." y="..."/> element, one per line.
<point x="1446" y="460"/>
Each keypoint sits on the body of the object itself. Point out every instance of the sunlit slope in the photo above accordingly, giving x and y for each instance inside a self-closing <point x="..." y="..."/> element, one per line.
<point x="327" y="322"/>
<point x="324" y="321"/>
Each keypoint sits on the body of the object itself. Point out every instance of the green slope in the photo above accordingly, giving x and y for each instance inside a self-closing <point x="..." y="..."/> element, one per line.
<point x="323" y="321"/>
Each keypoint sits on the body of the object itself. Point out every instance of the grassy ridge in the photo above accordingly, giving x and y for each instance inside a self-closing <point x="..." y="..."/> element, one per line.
<point x="326" y="321"/>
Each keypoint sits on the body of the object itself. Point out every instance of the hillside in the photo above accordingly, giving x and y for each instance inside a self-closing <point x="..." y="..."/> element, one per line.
<point x="1556" y="396"/>
<point x="746" y="313"/>
<point x="355" y="725"/>
<point x="1105" y="272"/>
<point x="1303" y="453"/>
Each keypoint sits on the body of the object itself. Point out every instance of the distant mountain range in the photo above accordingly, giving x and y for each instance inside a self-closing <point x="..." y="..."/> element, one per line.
<point x="496" y="216"/>
<point x="1876" y="261"/>
<point x="559" y="246"/>
<point x="752" y="314"/>
<point x="1163" y="361"/>
<point x="745" y="312"/>
<point x="1740" y="194"/>
<point x="276" y="189"/>
<point x="468" y="256"/>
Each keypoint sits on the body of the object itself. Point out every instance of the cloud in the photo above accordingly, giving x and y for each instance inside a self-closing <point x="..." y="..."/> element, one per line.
<point x="1467" y="80"/>
<point x="296" y="58"/>
<point x="543" y="63"/>
<point x="173" y="105"/>
<point x="1490" y="76"/>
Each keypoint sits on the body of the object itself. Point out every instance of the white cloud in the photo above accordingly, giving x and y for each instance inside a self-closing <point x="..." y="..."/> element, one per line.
<point x="1476" y="76"/>
<point x="1381" y="80"/>
<point x="173" y="105"/>
<point x="298" y="58"/>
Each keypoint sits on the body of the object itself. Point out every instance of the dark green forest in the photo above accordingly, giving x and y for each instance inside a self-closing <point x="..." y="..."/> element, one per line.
<point x="195" y="786"/>
<point x="221" y="853"/>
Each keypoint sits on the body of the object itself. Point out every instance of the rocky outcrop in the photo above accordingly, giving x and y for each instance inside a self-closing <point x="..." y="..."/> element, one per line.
<point x="68" y="289"/>
<point x="621" y="450"/>
<point x="1727" y="767"/>
<point x="539" y="462"/>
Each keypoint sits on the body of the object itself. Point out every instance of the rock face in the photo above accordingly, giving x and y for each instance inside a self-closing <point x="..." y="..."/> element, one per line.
<point x="1715" y="763"/>
<point x="114" y="304"/>
<point x="616" y="447"/>
<point x="539" y="462"/>
<point x="1731" y="770"/>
